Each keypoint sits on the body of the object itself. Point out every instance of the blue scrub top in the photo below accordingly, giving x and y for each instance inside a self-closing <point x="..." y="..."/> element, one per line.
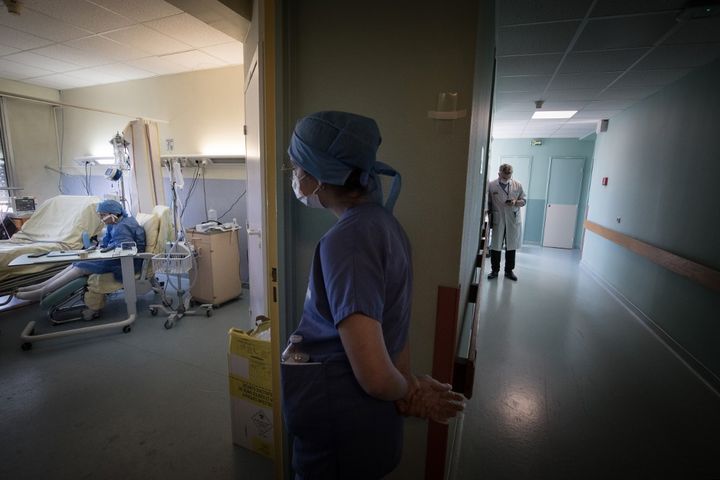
<point x="126" y="230"/>
<point x="361" y="265"/>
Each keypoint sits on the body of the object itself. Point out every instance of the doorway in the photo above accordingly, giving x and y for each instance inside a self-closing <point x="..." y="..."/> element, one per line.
<point x="565" y="180"/>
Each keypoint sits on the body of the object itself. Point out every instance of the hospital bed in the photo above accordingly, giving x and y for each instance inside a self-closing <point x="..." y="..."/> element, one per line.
<point x="90" y="291"/>
<point x="57" y="224"/>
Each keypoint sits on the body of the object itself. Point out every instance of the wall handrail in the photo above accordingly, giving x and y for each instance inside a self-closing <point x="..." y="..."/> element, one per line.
<point x="697" y="272"/>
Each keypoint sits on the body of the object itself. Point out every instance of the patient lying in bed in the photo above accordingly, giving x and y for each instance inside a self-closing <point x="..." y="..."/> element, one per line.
<point x="121" y="228"/>
<point x="58" y="224"/>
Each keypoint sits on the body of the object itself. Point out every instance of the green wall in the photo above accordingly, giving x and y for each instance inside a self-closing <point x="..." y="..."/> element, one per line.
<point x="662" y="159"/>
<point x="536" y="192"/>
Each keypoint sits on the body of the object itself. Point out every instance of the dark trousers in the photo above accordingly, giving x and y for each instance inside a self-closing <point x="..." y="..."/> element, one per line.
<point x="509" y="260"/>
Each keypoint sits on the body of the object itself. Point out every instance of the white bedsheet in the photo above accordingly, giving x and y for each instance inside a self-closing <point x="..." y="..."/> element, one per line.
<point x="57" y="224"/>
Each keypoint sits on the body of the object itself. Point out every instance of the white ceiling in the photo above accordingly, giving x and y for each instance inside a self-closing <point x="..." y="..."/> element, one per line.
<point x="595" y="56"/>
<point x="65" y="44"/>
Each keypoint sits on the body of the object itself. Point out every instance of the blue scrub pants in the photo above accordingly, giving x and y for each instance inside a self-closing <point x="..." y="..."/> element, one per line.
<point x="340" y="432"/>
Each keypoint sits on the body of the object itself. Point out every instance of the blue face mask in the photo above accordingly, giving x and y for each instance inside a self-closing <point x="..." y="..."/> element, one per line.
<point x="312" y="200"/>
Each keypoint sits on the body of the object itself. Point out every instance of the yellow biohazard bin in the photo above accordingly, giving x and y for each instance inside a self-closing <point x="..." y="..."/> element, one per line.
<point x="250" y="375"/>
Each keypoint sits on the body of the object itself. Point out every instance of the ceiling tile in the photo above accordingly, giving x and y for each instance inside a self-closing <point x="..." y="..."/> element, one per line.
<point x="645" y="78"/>
<point x="628" y="93"/>
<point x="231" y="53"/>
<point x="511" y="123"/>
<point x="147" y="39"/>
<point x="157" y="65"/>
<point x="608" y="105"/>
<point x="70" y="55"/>
<point x="95" y="75"/>
<point x="34" y="60"/>
<point x="126" y="72"/>
<point x="544" y="64"/>
<point x="107" y="48"/>
<point x="4" y="50"/>
<point x="510" y="106"/>
<point x="20" y="40"/>
<point x="596" y="114"/>
<point x="140" y="10"/>
<point x="41" y="25"/>
<point x="625" y="7"/>
<point x="578" y="94"/>
<point x="542" y="38"/>
<point x="194" y="60"/>
<point x="563" y="105"/>
<point x="511" y="115"/>
<point x="59" y="81"/>
<point x="679" y="56"/>
<point x="701" y="30"/>
<point x="609" y="61"/>
<point x="16" y="71"/>
<point x="189" y="29"/>
<point x="80" y="13"/>
<point x="529" y="11"/>
<point x="516" y="97"/>
<point x="595" y="80"/>
<point x="524" y="83"/>
<point x="624" y="32"/>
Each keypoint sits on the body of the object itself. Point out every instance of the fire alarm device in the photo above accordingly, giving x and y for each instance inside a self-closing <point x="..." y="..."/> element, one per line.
<point x="604" y="181"/>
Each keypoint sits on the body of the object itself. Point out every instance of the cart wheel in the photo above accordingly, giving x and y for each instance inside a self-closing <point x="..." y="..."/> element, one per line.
<point x="153" y="311"/>
<point x="26" y="346"/>
<point x="127" y="329"/>
<point x="209" y="312"/>
<point x="168" y="324"/>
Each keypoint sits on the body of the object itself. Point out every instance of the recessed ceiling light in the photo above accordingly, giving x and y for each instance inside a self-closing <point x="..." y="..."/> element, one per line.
<point x="546" y="114"/>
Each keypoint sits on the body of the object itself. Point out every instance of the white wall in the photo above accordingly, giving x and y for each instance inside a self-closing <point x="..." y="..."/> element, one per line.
<point x="203" y="110"/>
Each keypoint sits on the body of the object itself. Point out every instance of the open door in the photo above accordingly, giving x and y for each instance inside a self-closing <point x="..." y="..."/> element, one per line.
<point x="257" y="260"/>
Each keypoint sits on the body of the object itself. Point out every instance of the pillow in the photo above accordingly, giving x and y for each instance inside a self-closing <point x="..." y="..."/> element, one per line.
<point x="151" y="225"/>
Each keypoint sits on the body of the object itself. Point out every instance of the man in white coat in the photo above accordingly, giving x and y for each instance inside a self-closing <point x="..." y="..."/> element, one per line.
<point x="505" y="197"/>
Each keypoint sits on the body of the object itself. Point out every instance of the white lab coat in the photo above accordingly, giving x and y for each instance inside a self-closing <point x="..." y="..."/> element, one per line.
<point x="506" y="219"/>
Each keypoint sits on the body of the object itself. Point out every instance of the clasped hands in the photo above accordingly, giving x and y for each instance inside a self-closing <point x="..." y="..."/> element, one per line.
<point x="427" y="398"/>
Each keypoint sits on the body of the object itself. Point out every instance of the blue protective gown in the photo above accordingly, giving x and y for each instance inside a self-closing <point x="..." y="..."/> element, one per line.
<point x="361" y="265"/>
<point x="126" y="230"/>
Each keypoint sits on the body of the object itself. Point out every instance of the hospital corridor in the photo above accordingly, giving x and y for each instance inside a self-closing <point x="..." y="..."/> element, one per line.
<point x="571" y="384"/>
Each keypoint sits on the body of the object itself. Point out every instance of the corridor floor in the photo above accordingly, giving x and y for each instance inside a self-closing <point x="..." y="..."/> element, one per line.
<point x="569" y="384"/>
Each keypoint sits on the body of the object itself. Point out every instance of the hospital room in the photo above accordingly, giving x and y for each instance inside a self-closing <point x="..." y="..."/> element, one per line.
<point x="123" y="149"/>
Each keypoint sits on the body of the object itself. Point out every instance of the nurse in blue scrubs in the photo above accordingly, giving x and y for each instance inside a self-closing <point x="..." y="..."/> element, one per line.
<point x="349" y="383"/>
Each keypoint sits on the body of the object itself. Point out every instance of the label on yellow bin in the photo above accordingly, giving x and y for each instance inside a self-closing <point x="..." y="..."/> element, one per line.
<point x="250" y="382"/>
<point x="251" y="392"/>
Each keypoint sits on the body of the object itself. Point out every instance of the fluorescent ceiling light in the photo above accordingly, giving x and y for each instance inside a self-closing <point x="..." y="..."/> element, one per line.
<point x="547" y="114"/>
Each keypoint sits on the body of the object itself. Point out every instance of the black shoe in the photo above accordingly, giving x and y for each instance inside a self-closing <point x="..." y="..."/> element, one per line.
<point x="511" y="276"/>
<point x="492" y="275"/>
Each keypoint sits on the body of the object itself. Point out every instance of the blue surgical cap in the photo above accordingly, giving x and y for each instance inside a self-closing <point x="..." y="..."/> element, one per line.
<point x="330" y="145"/>
<point x="110" y="206"/>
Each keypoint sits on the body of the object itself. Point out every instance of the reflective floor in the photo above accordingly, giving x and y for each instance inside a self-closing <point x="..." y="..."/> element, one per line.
<point x="150" y="404"/>
<point x="570" y="385"/>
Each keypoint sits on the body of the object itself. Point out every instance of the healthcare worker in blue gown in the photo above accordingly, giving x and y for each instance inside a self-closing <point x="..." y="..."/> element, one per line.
<point x="120" y="228"/>
<point x="349" y="383"/>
